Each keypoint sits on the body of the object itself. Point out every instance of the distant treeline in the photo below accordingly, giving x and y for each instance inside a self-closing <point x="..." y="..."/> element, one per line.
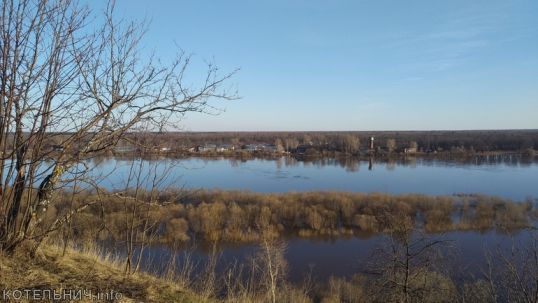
<point x="310" y="143"/>
<point x="351" y="142"/>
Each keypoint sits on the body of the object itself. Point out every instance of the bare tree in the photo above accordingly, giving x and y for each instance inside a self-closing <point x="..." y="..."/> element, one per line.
<point x="279" y="146"/>
<point x="139" y="200"/>
<point x="290" y="144"/>
<point x="408" y="268"/>
<point x="391" y="145"/>
<point x="350" y="144"/>
<point x="512" y="275"/>
<point x="85" y="83"/>
<point x="272" y="265"/>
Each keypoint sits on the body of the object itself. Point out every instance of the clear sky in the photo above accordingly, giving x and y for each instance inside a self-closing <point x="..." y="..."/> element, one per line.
<point x="358" y="65"/>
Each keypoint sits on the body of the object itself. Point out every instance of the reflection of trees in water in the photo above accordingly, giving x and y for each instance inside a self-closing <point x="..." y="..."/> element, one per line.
<point x="352" y="166"/>
<point x="391" y="164"/>
<point x="349" y="164"/>
<point x="279" y="163"/>
<point x="479" y="160"/>
<point x="410" y="161"/>
<point x="291" y="162"/>
<point x="234" y="162"/>
<point x="352" y="163"/>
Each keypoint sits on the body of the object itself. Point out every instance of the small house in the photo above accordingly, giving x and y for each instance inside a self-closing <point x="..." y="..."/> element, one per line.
<point x="207" y="148"/>
<point x="269" y="148"/>
<point x="410" y="150"/>
<point x="251" y="147"/>
<point x="225" y="147"/>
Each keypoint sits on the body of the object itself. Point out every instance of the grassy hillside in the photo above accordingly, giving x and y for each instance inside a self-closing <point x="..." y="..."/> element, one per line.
<point x="85" y="270"/>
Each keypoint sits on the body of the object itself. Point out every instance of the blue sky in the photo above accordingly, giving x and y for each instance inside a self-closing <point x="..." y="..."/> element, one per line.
<point x="358" y="65"/>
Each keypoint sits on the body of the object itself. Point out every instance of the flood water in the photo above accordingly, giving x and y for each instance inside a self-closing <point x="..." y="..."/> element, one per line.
<point x="506" y="177"/>
<point x="464" y="253"/>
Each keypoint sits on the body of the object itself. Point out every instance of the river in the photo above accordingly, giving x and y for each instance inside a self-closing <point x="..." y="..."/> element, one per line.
<point x="505" y="176"/>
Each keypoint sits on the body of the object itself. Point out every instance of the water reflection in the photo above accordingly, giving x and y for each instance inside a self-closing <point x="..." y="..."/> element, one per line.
<point x="508" y="176"/>
<point x="351" y="163"/>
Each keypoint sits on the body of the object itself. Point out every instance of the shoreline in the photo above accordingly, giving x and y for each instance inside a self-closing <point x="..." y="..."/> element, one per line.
<point x="383" y="157"/>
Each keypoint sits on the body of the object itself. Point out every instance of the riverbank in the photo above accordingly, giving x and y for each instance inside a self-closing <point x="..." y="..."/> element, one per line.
<point x="313" y="155"/>
<point x="80" y="274"/>
<point x="432" y="278"/>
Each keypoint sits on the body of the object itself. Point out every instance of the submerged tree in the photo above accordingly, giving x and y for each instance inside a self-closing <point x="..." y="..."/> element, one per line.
<point x="72" y="86"/>
<point x="409" y="268"/>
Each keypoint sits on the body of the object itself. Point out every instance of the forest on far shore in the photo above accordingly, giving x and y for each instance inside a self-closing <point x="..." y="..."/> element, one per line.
<point x="348" y="142"/>
<point x="311" y="143"/>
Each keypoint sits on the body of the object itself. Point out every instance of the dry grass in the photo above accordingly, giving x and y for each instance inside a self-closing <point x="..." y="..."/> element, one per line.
<point x="85" y="270"/>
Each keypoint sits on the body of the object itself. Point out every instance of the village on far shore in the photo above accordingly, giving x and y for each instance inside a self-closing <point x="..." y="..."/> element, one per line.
<point x="271" y="148"/>
<point x="315" y="144"/>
